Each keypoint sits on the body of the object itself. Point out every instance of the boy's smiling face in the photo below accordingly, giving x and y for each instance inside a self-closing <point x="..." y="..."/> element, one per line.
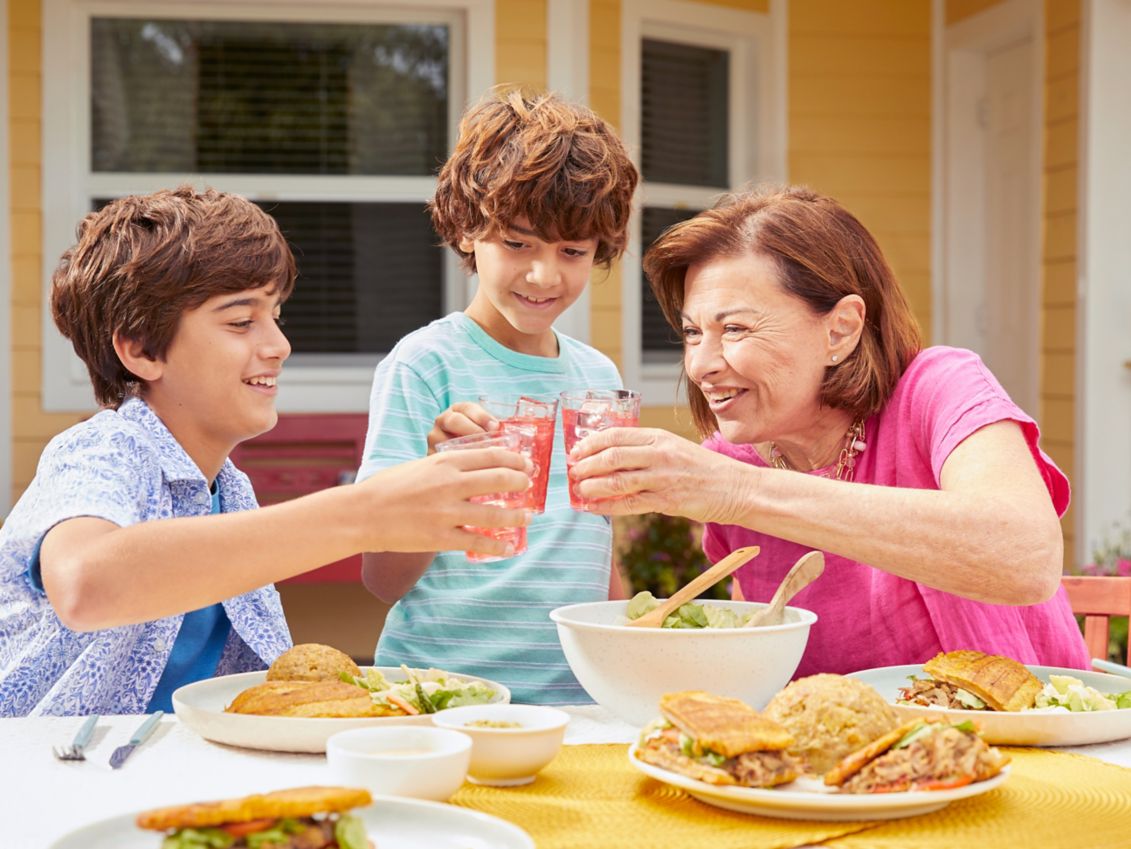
<point x="216" y="385"/>
<point x="525" y="283"/>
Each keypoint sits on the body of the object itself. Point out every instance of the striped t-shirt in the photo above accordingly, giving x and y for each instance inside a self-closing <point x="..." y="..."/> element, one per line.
<point x="490" y="619"/>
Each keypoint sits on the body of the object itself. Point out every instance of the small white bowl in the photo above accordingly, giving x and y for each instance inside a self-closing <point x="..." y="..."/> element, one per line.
<point x="507" y="756"/>
<point x="418" y="761"/>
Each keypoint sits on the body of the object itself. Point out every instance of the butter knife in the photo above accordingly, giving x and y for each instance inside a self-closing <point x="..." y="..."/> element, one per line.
<point x="140" y="736"/>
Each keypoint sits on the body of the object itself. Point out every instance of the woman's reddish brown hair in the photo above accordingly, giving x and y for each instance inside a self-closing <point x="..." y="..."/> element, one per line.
<point x="822" y="253"/>
<point x="538" y="157"/>
<point x="142" y="261"/>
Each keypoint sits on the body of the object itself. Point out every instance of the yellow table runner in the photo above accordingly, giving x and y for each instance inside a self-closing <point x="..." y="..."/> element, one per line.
<point x="590" y="797"/>
<point x="1051" y="800"/>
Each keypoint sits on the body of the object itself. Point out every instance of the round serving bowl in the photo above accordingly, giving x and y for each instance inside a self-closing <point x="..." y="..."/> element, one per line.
<point x="419" y="761"/>
<point x="626" y="668"/>
<point x="509" y="743"/>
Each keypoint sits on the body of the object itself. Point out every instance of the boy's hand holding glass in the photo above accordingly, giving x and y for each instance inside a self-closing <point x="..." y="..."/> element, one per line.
<point x="533" y="419"/>
<point x="515" y="537"/>
<point x="587" y="411"/>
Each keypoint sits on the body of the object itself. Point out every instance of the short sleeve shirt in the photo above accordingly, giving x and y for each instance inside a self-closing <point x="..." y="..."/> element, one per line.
<point x="123" y="466"/>
<point x="870" y="618"/>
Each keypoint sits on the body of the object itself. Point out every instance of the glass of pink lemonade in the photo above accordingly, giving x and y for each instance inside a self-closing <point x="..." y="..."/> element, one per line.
<point x="519" y="414"/>
<point x="587" y="411"/>
<point x="515" y="536"/>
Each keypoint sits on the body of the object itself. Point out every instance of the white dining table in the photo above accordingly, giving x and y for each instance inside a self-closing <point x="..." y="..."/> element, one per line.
<point x="42" y="798"/>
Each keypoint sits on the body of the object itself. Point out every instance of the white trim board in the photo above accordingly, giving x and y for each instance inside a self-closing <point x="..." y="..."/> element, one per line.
<point x="756" y="43"/>
<point x="959" y="248"/>
<point x="567" y="73"/>
<point x="1103" y="380"/>
<point x="311" y="383"/>
<point x="5" y="278"/>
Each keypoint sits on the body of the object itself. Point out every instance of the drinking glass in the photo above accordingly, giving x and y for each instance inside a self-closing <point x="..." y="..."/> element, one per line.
<point x="516" y="413"/>
<point x="587" y="411"/>
<point x="515" y="536"/>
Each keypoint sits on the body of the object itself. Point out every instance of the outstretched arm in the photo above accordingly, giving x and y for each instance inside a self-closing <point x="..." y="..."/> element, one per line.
<point x="99" y="575"/>
<point x="990" y="533"/>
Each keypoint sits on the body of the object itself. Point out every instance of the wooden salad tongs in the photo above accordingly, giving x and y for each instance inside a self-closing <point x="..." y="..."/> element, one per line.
<point x="655" y="618"/>
<point x="801" y="574"/>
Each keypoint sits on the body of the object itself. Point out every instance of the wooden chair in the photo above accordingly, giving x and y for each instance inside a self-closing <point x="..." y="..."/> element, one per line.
<point x="1097" y="599"/>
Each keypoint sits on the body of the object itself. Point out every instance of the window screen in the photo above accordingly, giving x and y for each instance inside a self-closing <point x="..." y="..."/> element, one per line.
<point x="268" y="98"/>
<point x="684" y="121"/>
<point x="203" y="99"/>
<point x="660" y="341"/>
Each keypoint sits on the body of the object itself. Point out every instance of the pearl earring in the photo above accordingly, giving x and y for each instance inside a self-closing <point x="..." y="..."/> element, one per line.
<point x="835" y="358"/>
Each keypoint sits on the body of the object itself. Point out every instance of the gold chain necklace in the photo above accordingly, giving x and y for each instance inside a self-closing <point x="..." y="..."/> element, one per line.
<point x="846" y="461"/>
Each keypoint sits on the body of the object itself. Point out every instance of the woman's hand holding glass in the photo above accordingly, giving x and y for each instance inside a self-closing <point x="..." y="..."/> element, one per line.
<point x="626" y="471"/>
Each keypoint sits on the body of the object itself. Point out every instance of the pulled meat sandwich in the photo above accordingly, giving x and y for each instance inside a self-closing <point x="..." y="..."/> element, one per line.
<point x="301" y="818"/>
<point x="717" y="740"/>
<point x="921" y="755"/>
<point x="973" y="680"/>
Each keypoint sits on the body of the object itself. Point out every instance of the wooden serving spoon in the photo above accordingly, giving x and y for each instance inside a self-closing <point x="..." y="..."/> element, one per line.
<point x="805" y="571"/>
<point x="655" y="618"/>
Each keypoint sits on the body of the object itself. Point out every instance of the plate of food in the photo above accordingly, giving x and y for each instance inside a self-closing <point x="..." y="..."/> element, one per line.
<point x="311" y="817"/>
<point x="726" y="754"/>
<point x="313" y="691"/>
<point x="1013" y="704"/>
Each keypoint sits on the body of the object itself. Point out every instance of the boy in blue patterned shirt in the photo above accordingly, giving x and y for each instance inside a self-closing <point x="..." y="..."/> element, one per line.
<point x="116" y="583"/>
<point x="536" y="193"/>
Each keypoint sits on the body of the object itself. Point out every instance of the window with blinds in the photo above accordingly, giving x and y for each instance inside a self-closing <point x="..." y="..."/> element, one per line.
<point x="684" y="150"/>
<point x="303" y="104"/>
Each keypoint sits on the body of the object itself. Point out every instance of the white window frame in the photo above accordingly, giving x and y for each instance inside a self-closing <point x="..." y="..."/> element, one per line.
<point x="756" y="146"/>
<point x="311" y="383"/>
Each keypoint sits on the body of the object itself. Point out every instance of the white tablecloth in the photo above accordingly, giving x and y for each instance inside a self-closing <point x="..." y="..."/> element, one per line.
<point x="42" y="798"/>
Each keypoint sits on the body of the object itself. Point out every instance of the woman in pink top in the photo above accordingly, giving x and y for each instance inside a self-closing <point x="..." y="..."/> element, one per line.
<point x="829" y="427"/>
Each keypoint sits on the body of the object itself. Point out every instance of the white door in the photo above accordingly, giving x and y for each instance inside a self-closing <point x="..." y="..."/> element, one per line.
<point x="1009" y="315"/>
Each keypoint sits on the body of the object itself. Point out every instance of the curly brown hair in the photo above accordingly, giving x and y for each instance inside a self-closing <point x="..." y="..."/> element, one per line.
<point x="822" y="253"/>
<point x="538" y="157"/>
<point x="142" y="261"/>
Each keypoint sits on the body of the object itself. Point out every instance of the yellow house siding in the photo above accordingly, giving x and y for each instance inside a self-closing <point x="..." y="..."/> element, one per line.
<point x="860" y="122"/>
<point x="1059" y="251"/>
<point x="31" y="427"/>
<point x="520" y="43"/>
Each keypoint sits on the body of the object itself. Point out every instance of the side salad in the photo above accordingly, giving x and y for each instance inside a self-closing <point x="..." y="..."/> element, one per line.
<point x="690" y="615"/>
<point x="422" y="691"/>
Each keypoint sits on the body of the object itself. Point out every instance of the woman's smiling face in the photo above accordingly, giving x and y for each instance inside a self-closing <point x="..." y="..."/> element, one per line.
<point x="756" y="352"/>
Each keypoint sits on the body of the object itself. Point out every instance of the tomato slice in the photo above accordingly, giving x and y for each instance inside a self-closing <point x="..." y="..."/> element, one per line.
<point x="242" y="829"/>
<point x="948" y="784"/>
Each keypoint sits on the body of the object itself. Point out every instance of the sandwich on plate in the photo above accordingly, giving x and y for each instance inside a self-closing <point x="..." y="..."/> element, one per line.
<point x="718" y="740"/>
<point x="973" y="680"/>
<point x="300" y="818"/>
<point x="920" y="755"/>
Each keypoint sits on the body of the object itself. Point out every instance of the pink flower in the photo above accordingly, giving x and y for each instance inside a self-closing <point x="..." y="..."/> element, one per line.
<point x="1123" y="567"/>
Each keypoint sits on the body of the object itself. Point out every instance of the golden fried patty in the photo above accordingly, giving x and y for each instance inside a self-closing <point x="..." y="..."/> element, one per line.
<point x="296" y="802"/>
<point x="312" y="662"/>
<point x="722" y="724"/>
<point x="307" y="698"/>
<point x="1000" y="682"/>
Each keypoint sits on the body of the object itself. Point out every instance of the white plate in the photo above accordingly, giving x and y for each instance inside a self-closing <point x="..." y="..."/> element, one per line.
<point x="1018" y="728"/>
<point x="392" y="823"/>
<point x="201" y="705"/>
<point x="810" y="799"/>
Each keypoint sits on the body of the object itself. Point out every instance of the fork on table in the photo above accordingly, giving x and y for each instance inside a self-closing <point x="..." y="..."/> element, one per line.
<point x="74" y="752"/>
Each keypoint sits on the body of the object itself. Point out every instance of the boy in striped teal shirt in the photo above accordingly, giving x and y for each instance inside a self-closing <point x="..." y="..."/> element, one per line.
<point x="536" y="193"/>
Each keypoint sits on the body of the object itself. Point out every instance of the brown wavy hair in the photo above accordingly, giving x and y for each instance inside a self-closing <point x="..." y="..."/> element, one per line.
<point x="822" y="253"/>
<point x="535" y="156"/>
<point x="142" y="261"/>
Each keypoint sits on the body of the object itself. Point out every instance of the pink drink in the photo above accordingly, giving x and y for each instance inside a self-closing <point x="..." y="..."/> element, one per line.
<point x="540" y="457"/>
<point x="533" y="420"/>
<point x="589" y="411"/>
<point x="515" y="536"/>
